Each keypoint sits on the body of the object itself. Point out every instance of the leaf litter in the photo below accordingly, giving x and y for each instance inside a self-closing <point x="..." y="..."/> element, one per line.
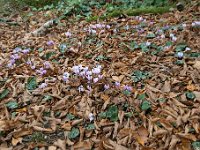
<point x="124" y="83"/>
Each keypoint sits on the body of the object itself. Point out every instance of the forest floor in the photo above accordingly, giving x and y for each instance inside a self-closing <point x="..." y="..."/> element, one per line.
<point x="119" y="84"/>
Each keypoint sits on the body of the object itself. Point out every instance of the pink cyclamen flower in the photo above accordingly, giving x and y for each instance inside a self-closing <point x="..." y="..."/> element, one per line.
<point x="41" y="71"/>
<point x="14" y="56"/>
<point x="33" y="67"/>
<point x="76" y="69"/>
<point x="96" y="70"/>
<point x="66" y="76"/>
<point x="128" y="88"/>
<point x="108" y="26"/>
<point x="47" y="64"/>
<point x="91" y="116"/>
<point x="26" y="51"/>
<point x="10" y="65"/>
<point x="17" y="50"/>
<point x="117" y="84"/>
<point x="68" y="34"/>
<point x="50" y="43"/>
<point x="95" y="80"/>
<point x="43" y="85"/>
<point x="106" y="86"/>
<point x="81" y="88"/>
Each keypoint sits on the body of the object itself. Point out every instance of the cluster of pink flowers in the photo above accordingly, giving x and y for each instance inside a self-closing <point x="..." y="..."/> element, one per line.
<point x="16" y="55"/>
<point x="93" y="28"/>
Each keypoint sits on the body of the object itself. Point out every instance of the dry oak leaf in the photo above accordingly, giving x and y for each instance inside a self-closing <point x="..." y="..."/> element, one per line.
<point x="141" y="135"/>
<point x="197" y="65"/>
<point x="61" y="144"/>
<point x="86" y="145"/>
<point x="16" y="141"/>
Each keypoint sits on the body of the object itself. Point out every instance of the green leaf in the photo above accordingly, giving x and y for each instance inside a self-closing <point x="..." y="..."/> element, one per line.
<point x="101" y="57"/>
<point x="180" y="62"/>
<point x="102" y="115"/>
<point x="73" y="133"/>
<point x="142" y="96"/>
<point x="112" y="113"/>
<point x="151" y="35"/>
<point x="4" y="93"/>
<point x="32" y="83"/>
<point x="12" y="105"/>
<point x="40" y="49"/>
<point x="169" y="43"/>
<point x="196" y="145"/>
<point x="49" y="55"/>
<point x="144" y="47"/>
<point x="126" y="92"/>
<point x="70" y="116"/>
<point x="190" y="95"/>
<point x="146" y="105"/>
<point x="162" y="100"/>
<point x="90" y="127"/>
<point x="47" y="98"/>
<point x="140" y="75"/>
<point x="180" y="47"/>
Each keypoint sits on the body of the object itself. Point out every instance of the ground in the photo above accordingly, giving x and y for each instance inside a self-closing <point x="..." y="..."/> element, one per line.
<point x="128" y="82"/>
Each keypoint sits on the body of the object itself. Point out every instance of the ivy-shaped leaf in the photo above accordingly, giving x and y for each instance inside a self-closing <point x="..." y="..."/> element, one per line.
<point x="73" y="133"/>
<point x="12" y="105"/>
<point x="196" y="145"/>
<point x="151" y="35"/>
<point x="146" y="105"/>
<point x="4" y="93"/>
<point x="90" y="127"/>
<point x="144" y="47"/>
<point x="126" y="92"/>
<point x="70" y="116"/>
<point x="142" y="96"/>
<point x="180" y="47"/>
<point x="112" y="113"/>
<point x="32" y="83"/>
<point x="190" y="95"/>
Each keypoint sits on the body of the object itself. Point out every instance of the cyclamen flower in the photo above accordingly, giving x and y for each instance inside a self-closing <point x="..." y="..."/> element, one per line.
<point x="128" y="88"/>
<point x="10" y="65"/>
<point x="81" y="88"/>
<point x="162" y="36"/>
<point x="98" y="25"/>
<point x="108" y="26"/>
<point x="17" y="50"/>
<point x="117" y="84"/>
<point x="91" y="31"/>
<point x="96" y="70"/>
<point x="184" y="25"/>
<point x="174" y="38"/>
<point x="180" y="55"/>
<point x="187" y="49"/>
<point x="76" y="69"/>
<point x="106" y="86"/>
<point x="91" y="116"/>
<point x="33" y="67"/>
<point x="43" y="85"/>
<point x="68" y="34"/>
<point x="47" y="64"/>
<point x="41" y="71"/>
<point x="95" y="80"/>
<point x="66" y="76"/>
<point x="50" y="43"/>
<point x="12" y="61"/>
<point x="88" y="77"/>
<point x="148" y="43"/>
<point x="26" y="51"/>
<point x="14" y="56"/>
